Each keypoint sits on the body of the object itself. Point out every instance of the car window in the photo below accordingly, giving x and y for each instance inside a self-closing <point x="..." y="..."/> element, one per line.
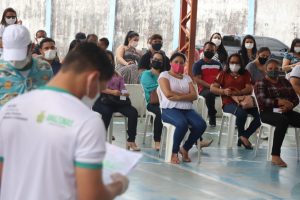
<point x="259" y="42"/>
<point x="274" y="45"/>
<point x="233" y="41"/>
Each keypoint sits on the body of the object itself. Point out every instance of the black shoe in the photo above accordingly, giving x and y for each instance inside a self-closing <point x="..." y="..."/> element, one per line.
<point x="212" y="121"/>
<point x="240" y="143"/>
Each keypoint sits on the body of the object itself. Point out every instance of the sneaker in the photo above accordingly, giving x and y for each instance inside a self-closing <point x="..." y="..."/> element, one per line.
<point x="212" y="121"/>
<point x="206" y="143"/>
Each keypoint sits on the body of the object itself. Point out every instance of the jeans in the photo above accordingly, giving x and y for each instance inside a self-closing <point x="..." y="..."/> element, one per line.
<point x="182" y="119"/>
<point x="241" y="118"/>
<point x="157" y="122"/>
<point x="129" y="111"/>
<point x="281" y="122"/>
<point x="210" y="101"/>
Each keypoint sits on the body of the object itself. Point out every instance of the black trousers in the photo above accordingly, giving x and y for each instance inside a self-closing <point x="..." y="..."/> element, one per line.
<point x="129" y="111"/>
<point x="157" y="122"/>
<point x="210" y="101"/>
<point x="281" y="122"/>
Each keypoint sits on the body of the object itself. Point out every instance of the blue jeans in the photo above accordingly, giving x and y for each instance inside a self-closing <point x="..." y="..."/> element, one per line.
<point x="241" y="118"/>
<point x="182" y="119"/>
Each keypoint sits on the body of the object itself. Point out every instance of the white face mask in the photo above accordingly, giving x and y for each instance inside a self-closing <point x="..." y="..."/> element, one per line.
<point x="88" y="101"/>
<point x="249" y="45"/>
<point x="297" y="49"/>
<point x="234" y="67"/>
<point x="149" y="46"/>
<point x="134" y="44"/>
<point x="22" y="63"/>
<point x="10" y="21"/>
<point x="50" y="54"/>
<point x="38" y="41"/>
<point x="216" y="41"/>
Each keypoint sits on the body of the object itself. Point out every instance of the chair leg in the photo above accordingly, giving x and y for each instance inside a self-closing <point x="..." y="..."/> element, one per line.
<point x="258" y="140"/>
<point x="297" y="142"/>
<point x="199" y="150"/>
<point x="126" y="129"/>
<point x="220" y="131"/>
<point x="169" y="144"/>
<point x="231" y="130"/>
<point x="270" y="143"/>
<point x="146" y="125"/>
<point x="110" y="130"/>
<point x="163" y="139"/>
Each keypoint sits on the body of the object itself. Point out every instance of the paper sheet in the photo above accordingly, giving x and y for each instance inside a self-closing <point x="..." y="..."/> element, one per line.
<point x="118" y="160"/>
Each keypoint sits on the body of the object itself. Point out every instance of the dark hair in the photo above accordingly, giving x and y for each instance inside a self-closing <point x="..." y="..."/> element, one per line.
<point x="130" y="34"/>
<point x="3" y="22"/>
<point x="222" y="53"/>
<point x="210" y="43"/>
<point x="262" y="49"/>
<point x="91" y="35"/>
<point x="74" y="44"/>
<point x="177" y="54"/>
<point x="87" y="56"/>
<point x="242" y="69"/>
<point x="243" y="50"/>
<point x="294" y="42"/>
<point x="105" y="40"/>
<point x="41" y="31"/>
<point x="80" y="36"/>
<point x="112" y="55"/>
<point x="272" y="60"/>
<point x="155" y="37"/>
<point x="164" y="58"/>
<point x="46" y="40"/>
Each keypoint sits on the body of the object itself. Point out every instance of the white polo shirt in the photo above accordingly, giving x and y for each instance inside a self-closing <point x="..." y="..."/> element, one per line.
<point x="44" y="134"/>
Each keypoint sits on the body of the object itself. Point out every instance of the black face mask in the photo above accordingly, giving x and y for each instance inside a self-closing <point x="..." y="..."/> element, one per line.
<point x="157" y="65"/>
<point x="262" y="61"/>
<point x="156" y="47"/>
<point x="273" y="74"/>
<point x="209" y="54"/>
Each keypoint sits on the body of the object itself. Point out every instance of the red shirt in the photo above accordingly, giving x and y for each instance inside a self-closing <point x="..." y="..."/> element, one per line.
<point x="226" y="80"/>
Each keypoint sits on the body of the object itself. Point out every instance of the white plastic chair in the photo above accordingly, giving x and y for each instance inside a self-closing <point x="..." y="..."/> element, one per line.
<point x="270" y="132"/>
<point x="168" y="137"/>
<point x="111" y="125"/>
<point x="136" y="92"/>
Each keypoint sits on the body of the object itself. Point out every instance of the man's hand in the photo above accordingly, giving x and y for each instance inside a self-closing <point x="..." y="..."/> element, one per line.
<point x="123" y="180"/>
<point x="228" y="92"/>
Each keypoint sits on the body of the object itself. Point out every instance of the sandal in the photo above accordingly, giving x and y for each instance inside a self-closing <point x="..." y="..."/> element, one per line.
<point x="185" y="155"/>
<point x="175" y="159"/>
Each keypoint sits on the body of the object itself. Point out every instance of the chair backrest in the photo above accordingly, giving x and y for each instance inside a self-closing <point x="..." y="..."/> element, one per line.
<point x="136" y="92"/>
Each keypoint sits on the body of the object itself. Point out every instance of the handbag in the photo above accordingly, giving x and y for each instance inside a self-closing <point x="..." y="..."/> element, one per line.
<point x="154" y="97"/>
<point x="112" y="100"/>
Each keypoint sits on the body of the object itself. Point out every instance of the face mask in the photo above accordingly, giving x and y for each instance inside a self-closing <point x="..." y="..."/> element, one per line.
<point x="88" y="101"/>
<point x="10" y="21"/>
<point x="249" y="45"/>
<point x="234" y="67"/>
<point x="273" y="74"/>
<point x="50" y="54"/>
<point x="39" y="40"/>
<point x="21" y="64"/>
<point x="209" y="54"/>
<point x="156" y="47"/>
<point x="157" y="65"/>
<point x="262" y="61"/>
<point x="216" y="41"/>
<point x="297" y="49"/>
<point x="134" y="44"/>
<point x="177" y="68"/>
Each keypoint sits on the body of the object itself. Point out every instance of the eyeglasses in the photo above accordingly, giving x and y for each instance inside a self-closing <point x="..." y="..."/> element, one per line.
<point x="10" y="17"/>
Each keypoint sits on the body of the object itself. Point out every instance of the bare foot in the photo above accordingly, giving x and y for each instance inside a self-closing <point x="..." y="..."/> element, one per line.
<point x="132" y="146"/>
<point x="276" y="160"/>
<point x="175" y="159"/>
<point x="185" y="155"/>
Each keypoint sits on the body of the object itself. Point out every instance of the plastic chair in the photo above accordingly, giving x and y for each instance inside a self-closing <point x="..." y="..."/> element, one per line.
<point x="136" y="91"/>
<point x="168" y="136"/>
<point x="270" y="133"/>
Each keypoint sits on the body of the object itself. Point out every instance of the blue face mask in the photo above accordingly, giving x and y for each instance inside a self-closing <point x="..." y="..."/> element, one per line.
<point x="273" y="74"/>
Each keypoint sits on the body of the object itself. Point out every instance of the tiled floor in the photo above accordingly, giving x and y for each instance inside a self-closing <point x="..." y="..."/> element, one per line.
<point x="222" y="174"/>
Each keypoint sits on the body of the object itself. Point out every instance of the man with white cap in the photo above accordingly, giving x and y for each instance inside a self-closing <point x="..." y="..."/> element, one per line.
<point x="19" y="72"/>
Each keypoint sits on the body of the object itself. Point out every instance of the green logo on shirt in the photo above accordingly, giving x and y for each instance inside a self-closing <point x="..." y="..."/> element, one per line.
<point x="54" y="120"/>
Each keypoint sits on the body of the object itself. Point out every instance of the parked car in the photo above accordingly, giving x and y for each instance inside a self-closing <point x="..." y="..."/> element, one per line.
<point x="233" y="44"/>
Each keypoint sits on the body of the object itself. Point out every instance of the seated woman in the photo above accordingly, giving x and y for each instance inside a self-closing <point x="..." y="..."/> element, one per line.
<point x="116" y="99"/>
<point x="236" y="81"/>
<point x="128" y="57"/>
<point x="292" y="58"/>
<point x="248" y="50"/>
<point x="276" y="99"/>
<point x="256" y="68"/>
<point x="178" y="93"/>
<point x="149" y="82"/>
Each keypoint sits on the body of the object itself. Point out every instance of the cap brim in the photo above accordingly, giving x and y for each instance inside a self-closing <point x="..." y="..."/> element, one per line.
<point x="14" y="54"/>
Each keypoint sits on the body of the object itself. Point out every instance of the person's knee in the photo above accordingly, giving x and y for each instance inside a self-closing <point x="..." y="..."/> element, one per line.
<point x="200" y="127"/>
<point x="181" y="124"/>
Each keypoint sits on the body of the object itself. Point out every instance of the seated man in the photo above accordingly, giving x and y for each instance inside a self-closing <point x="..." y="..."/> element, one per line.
<point x="155" y="44"/>
<point x="20" y="72"/>
<point x="39" y="36"/>
<point x="205" y="72"/>
<point x="103" y="43"/>
<point x="49" y="54"/>
<point x="92" y="38"/>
